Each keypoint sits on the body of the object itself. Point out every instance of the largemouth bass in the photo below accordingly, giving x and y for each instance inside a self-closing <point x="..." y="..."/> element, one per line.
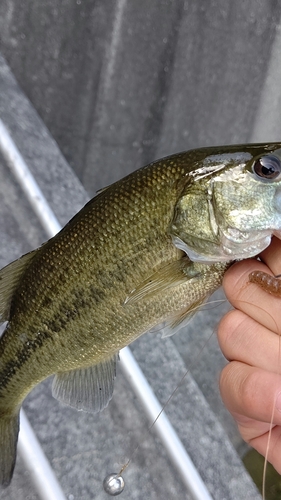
<point x="146" y="250"/>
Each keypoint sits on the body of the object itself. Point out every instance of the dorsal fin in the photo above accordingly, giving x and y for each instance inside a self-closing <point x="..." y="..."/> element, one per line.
<point x="10" y="277"/>
<point x="101" y="190"/>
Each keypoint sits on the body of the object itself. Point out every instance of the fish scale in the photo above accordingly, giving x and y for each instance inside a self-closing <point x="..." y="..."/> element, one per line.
<point x="93" y="220"/>
<point x="147" y="250"/>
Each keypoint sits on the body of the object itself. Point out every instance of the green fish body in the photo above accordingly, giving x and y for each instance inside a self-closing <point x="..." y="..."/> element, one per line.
<point x="147" y="250"/>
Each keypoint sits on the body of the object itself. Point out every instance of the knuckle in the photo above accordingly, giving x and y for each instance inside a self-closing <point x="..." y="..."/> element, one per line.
<point x="226" y="379"/>
<point x="249" y="391"/>
<point x="228" y="327"/>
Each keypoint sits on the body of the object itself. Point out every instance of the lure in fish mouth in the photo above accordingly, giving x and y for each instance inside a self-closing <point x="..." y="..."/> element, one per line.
<point x="146" y="250"/>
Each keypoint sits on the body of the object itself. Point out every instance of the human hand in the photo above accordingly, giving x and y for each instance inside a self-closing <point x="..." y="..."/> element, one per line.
<point x="249" y="338"/>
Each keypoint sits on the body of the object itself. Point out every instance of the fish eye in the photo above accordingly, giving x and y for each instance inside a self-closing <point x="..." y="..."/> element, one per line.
<point x="267" y="167"/>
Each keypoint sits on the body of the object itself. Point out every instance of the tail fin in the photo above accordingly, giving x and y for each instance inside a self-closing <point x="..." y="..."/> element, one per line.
<point x="9" y="429"/>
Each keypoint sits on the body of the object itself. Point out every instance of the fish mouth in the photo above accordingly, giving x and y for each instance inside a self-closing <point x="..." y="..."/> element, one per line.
<point x="237" y="245"/>
<point x="233" y="245"/>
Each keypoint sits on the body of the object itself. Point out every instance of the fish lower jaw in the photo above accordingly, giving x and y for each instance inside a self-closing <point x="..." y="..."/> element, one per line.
<point x="227" y="250"/>
<point x="238" y="250"/>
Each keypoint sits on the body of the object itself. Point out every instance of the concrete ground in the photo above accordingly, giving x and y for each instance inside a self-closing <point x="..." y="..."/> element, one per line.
<point x="117" y="88"/>
<point x="82" y="448"/>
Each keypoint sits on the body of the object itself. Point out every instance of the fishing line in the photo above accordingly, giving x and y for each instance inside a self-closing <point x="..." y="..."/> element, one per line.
<point x="274" y="402"/>
<point x="271" y="285"/>
<point x="271" y="423"/>
<point x="114" y="483"/>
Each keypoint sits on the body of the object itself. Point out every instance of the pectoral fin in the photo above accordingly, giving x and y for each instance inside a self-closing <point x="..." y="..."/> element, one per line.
<point x="10" y="277"/>
<point x="172" y="274"/>
<point x="89" y="389"/>
<point x="180" y="319"/>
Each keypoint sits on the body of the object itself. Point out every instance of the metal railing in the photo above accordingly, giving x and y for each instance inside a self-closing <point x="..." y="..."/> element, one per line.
<point x="29" y="447"/>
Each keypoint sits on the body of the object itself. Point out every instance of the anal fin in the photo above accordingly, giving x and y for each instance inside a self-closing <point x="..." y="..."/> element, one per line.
<point x="89" y="389"/>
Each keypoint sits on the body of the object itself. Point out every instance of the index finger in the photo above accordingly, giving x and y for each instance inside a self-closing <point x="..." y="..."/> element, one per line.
<point x="271" y="256"/>
<point x="249" y="297"/>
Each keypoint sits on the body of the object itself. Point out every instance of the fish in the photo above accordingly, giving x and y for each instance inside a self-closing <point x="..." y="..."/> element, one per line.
<point x="147" y="250"/>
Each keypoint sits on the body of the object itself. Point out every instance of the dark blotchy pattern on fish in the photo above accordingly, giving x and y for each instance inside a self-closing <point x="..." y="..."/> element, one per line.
<point x="113" y="273"/>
